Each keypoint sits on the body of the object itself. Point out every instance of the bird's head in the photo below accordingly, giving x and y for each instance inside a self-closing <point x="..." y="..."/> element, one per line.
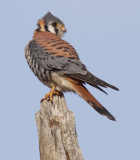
<point x="50" y="23"/>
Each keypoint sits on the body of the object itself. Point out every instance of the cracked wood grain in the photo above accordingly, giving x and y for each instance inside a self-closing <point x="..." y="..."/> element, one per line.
<point x="57" y="131"/>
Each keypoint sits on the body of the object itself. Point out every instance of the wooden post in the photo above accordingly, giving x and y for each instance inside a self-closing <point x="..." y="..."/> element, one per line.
<point x="57" y="131"/>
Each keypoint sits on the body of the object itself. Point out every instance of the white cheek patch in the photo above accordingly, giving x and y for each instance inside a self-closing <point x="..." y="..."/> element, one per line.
<point x="51" y="29"/>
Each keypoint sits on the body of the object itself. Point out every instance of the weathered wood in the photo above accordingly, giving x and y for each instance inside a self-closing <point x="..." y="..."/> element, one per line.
<point x="57" y="131"/>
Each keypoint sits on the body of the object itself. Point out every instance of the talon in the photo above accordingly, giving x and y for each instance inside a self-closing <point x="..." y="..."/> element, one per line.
<point x="51" y="94"/>
<point x="46" y="97"/>
<point x="57" y="93"/>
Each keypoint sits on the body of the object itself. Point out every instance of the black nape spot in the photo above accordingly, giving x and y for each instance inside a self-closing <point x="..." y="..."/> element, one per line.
<point x="46" y="28"/>
<point x="38" y="30"/>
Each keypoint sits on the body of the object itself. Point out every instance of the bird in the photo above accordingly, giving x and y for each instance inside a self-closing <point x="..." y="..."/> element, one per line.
<point x="57" y="65"/>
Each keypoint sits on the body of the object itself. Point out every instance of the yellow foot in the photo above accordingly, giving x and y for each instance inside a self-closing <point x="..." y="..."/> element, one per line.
<point x="50" y="95"/>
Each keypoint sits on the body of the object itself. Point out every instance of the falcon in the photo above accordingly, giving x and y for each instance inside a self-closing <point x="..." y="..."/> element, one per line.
<point x="57" y="65"/>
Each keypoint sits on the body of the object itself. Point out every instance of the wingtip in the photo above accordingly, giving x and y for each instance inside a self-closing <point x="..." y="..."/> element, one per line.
<point x="117" y="89"/>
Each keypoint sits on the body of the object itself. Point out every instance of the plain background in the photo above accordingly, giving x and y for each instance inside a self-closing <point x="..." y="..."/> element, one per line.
<point x="106" y="35"/>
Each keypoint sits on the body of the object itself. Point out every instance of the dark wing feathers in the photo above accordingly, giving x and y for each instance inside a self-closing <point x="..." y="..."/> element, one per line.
<point x="93" y="80"/>
<point x="66" y="62"/>
<point x="52" y="61"/>
<point x="99" y="88"/>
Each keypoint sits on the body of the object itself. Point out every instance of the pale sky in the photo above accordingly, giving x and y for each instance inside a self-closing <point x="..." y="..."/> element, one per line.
<point x="106" y="35"/>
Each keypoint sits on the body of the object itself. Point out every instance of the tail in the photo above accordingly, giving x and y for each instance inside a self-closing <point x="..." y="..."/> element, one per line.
<point x="88" y="97"/>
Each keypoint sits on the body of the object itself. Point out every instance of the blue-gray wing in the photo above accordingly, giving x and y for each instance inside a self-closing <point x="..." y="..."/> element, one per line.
<point x="61" y="57"/>
<point x="49" y="60"/>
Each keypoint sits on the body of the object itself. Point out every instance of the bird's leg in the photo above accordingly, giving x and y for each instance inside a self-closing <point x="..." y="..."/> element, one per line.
<point x="50" y="94"/>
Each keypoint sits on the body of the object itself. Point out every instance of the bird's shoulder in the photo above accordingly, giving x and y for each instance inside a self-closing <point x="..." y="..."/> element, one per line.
<point x="54" y="45"/>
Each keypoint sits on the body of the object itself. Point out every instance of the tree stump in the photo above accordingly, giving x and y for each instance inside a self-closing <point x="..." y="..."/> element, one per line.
<point x="57" y="131"/>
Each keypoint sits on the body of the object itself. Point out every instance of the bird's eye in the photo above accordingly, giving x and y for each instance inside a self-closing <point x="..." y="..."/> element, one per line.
<point x="54" y="24"/>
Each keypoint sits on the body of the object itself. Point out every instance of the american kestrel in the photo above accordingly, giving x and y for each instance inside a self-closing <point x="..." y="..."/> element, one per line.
<point x="56" y="64"/>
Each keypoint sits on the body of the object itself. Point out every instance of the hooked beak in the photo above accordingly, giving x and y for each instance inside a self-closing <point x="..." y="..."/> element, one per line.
<point x="63" y="29"/>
